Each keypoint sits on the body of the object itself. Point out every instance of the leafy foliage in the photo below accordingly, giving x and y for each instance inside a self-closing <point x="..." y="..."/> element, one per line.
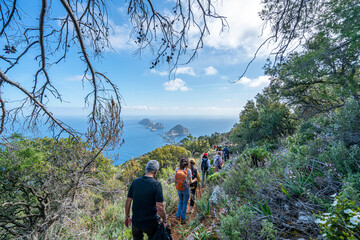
<point x="268" y="119"/>
<point x="342" y="221"/>
<point x="326" y="72"/>
<point x="168" y="156"/>
<point x="195" y="146"/>
<point x="215" y="138"/>
<point x="258" y="156"/>
<point x="39" y="181"/>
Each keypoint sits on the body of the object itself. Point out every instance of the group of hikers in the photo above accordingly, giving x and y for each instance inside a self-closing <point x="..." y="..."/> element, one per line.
<point x="146" y="196"/>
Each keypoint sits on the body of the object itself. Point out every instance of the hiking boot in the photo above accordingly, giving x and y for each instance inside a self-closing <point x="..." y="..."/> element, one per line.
<point x="183" y="221"/>
<point x="177" y="218"/>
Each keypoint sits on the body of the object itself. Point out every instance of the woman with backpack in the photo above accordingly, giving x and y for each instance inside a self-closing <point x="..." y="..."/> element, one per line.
<point x="205" y="168"/>
<point x="193" y="186"/>
<point x="218" y="161"/>
<point x="183" y="179"/>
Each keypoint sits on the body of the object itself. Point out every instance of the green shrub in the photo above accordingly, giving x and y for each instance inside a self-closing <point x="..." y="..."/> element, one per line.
<point x="269" y="146"/>
<point x="241" y="181"/>
<point x="238" y="224"/>
<point x="298" y="182"/>
<point x="216" y="178"/>
<point x="342" y="221"/>
<point x="268" y="230"/>
<point x="351" y="187"/>
<point x="346" y="123"/>
<point x="195" y="146"/>
<point x="201" y="233"/>
<point x="259" y="156"/>
<point x="203" y="205"/>
<point x="170" y="196"/>
<point x="346" y="160"/>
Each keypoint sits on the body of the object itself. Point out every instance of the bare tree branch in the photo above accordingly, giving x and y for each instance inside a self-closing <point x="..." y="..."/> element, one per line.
<point x="4" y="78"/>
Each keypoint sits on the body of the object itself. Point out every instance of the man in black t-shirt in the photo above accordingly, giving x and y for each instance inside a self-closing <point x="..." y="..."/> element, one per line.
<point x="148" y="203"/>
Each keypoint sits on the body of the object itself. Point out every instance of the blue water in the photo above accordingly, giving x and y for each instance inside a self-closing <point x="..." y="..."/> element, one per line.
<point x="140" y="140"/>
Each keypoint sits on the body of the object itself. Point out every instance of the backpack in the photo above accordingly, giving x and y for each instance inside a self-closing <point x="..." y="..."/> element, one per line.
<point x="163" y="233"/>
<point x="180" y="179"/>
<point x="204" y="165"/>
<point x="216" y="162"/>
<point x="194" y="174"/>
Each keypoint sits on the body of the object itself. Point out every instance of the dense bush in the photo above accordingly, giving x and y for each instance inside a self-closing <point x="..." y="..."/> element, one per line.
<point x="168" y="156"/>
<point x="215" y="138"/>
<point x="265" y="120"/>
<point x="345" y="160"/>
<point x="342" y="221"/>
<point x="40" y="179"/>
<point x="238" y="224"/>
<point x="259" y="156"/>
<point x="170" y="196"/>
<point x="346" y="125"/>
<point x="196" y="146"/>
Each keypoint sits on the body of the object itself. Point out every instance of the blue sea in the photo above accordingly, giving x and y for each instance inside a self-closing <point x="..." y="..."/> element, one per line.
<point x="140" y="140"/>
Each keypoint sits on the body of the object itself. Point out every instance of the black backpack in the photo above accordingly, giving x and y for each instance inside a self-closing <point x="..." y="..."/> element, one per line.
<point x="204" y="165"/>
<point x="162" y="233"/>
<point x="194" y="174"/>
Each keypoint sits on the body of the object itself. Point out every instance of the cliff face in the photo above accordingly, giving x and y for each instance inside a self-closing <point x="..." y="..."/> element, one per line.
<point x="178" y="130"/>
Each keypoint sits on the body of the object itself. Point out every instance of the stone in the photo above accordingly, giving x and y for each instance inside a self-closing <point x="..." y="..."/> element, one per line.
<point x="286" y="207"/>
<point x="306" y="219"/>
<point x="217" y="195"/>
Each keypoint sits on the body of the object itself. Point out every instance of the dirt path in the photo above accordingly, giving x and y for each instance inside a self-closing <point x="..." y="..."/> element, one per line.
<point x="176" y="226"/>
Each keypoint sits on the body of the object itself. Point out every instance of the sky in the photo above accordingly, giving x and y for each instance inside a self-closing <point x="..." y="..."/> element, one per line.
<point x="201" y="88"/>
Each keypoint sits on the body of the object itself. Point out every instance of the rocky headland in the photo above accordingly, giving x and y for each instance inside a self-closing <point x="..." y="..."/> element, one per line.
<point x="153" y="126"/>
<point x="178" y="130"/>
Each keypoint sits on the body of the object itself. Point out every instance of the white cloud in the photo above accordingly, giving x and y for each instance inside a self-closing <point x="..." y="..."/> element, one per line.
<point x="185" y="70"/>
<point x="161" y="73"/>
<point x="210" y="70"/>
<point x="78" y="78"/>
<point x="225" y="78"/>
<point x="244" y="30"/>
<point x="120" y="37"/>
<point x="229" y="112"/>
<point x="175" y="85"/>
<point x="143" y="108"/>
<point x="261" y="81"/>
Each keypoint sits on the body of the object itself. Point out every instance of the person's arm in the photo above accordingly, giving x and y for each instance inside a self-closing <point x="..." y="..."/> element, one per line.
<point x="161" y="211"/>
<point x="175" y="175"/>
<point x="198" y="176"/>
<point x="127" y="212"/>
<point x="190" y="178"/>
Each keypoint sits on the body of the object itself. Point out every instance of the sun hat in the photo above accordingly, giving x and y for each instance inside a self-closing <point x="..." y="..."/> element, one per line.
<point x="192" y="161"/>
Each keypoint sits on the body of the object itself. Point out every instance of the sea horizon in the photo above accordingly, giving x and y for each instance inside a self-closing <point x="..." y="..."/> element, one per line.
<point x="140" y="140"/>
